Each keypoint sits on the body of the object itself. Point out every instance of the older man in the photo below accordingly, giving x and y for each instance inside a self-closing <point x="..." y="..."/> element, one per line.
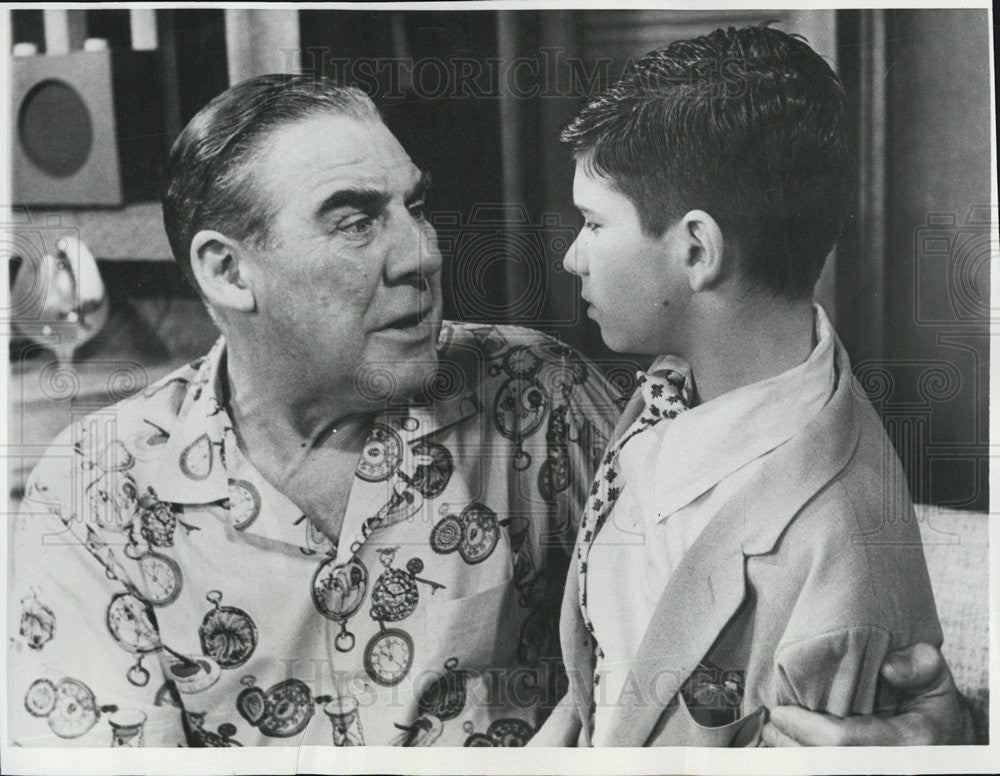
<point x="344" y="511"/>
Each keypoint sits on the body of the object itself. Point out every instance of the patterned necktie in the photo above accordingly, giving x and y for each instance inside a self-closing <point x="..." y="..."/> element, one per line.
<point x="666" y="393"/>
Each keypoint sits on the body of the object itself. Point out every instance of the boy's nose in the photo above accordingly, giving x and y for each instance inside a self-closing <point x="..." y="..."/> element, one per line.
<point x="574" y="261"/>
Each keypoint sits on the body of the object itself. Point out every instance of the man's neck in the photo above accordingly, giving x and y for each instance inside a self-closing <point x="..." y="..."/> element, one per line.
<point x="280" y="414"/>
<point x="749" y="344"/>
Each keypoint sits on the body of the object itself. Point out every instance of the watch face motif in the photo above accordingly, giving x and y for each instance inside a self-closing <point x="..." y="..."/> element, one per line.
<point x="381" y="454"/>
<point x="394" y="596"/>
<point x="445" y="697"/>
<point x="113" y="500"/>
<point x="389" y="656"/>
<point x="69" y="706"/>
<point x="433" y="470"/>
<point x="244" y="503"/>
<point x="251" y="703"/>
<point x="447" y="535"/>
<point x="40" y="698"/>
<point x="228" y="635"/>
<point x="288" y="707"/>
<point x="38" y="622"/>
<point x="474" y="534"/>
<point x="501" y="732"/>
<point x="132" y="624"/>
<point x="338" y="589"/>
<point x="520" y="361"/>
<point x="509" y="732"/>
<point x="395" y="593"/>
<point x="482" y="531"/>
<point x="158" y="520"/>
<point x="196" y="460"/>
<point x="163" y="578"/>
<point x="519" y="408"/>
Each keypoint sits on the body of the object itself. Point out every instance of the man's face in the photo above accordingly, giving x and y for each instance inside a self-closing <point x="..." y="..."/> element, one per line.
<point x="630" y="279"/>
<point x="348" y="280"/>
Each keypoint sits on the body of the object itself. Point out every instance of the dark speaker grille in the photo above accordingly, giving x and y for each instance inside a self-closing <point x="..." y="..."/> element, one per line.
<point x="55" y="129"/>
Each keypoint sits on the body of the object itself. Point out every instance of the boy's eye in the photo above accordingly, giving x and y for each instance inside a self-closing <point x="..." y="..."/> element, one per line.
<point x="590" y="225"/>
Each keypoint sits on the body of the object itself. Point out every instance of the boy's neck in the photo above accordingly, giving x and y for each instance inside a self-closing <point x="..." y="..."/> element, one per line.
<point x="746" y="344"/>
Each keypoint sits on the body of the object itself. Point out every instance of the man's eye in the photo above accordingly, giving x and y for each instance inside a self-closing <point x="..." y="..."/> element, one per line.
<point x="418" y="210"/>
<point x="357" y="227"/>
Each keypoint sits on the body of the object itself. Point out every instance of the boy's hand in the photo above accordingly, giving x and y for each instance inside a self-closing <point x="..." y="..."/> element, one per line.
<point x="932" y="712"/>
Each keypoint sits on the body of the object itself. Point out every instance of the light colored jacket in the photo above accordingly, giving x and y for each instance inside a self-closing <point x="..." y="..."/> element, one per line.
<point x="804" y="580"/>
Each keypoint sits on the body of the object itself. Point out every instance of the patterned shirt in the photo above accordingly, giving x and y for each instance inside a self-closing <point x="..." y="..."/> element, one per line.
<point x="167" y="594"/>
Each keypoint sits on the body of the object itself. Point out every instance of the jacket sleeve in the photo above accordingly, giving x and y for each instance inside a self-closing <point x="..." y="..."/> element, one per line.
<point x="861" y="589"/>
<point x="836" y="672"/>
<point x="82" y="654"/>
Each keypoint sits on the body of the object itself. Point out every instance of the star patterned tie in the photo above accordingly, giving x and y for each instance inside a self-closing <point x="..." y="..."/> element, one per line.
<point x="666" y="394"/>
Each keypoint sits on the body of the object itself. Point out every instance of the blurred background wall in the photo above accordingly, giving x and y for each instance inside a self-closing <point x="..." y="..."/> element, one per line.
<point x="478" y="98"/>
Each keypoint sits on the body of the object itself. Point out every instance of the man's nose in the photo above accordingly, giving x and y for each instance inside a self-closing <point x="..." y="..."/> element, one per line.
<point x="414" y="252"/>
<point x="574" y="261"/>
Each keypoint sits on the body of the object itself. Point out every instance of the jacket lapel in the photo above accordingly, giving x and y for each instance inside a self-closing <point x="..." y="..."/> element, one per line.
<point x="709" y="584"/>
<point x="703" y="594"/>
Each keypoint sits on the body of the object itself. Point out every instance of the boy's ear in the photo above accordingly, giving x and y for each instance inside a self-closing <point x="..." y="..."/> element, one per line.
<point x="216" y="261"/>
<point x="705" y="249"/>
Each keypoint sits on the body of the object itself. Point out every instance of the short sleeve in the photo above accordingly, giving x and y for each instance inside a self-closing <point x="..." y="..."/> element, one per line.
<point x="82" y="649"/>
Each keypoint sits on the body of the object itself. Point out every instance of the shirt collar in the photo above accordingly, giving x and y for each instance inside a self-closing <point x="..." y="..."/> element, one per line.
<point x="706" y="444"/>
<point x="193" y="467"/>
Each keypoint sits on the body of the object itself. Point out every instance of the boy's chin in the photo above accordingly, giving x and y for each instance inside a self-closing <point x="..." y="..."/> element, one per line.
<point x="624" y="342"/>
<point x="616" y="340"/>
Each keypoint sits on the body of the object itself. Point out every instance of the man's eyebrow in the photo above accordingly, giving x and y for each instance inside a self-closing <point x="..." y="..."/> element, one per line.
<point x="419" y="189"/>
<point x="367" y="200"/>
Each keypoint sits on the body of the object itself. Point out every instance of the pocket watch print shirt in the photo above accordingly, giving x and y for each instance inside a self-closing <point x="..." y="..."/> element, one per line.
<point x="163" y="593"/>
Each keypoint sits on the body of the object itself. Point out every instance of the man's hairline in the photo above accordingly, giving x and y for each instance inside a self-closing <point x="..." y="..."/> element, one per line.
<point x="246" y="171"/>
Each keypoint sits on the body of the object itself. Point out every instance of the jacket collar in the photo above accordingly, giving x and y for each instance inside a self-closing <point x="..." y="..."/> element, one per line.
<point x="708" y="586"/>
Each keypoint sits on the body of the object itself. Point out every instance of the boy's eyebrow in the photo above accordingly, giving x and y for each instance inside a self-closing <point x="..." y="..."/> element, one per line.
<point x="364" y="199"/>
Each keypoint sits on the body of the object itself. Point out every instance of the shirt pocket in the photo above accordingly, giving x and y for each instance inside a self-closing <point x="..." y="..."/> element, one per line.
<point x="480" y="630"/>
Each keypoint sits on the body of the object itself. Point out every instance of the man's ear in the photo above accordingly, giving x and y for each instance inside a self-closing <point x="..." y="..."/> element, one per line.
<point x="705" y="249"/>
<point x="217" y="266"/>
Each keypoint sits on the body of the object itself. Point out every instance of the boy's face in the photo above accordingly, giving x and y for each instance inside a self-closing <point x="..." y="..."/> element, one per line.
<point x="633" y="282"/>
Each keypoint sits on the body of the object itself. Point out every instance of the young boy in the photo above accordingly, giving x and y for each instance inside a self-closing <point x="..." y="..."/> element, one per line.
<point x="749" y="540"/>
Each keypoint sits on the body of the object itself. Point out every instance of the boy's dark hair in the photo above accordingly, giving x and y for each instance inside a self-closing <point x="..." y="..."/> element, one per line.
<point x="747" y="124"/>
<point x="209" y="181"/>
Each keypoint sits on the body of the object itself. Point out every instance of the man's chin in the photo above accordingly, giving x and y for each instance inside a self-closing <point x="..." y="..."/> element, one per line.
<point x="393" y="376"/>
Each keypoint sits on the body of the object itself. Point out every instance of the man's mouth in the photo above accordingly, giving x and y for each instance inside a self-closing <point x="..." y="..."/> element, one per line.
<point x="410" y="320"/>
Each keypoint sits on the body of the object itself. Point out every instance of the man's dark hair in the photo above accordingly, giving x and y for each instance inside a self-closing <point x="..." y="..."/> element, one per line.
<point x="209" y="175"/>
<point x="747" y="124"/>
